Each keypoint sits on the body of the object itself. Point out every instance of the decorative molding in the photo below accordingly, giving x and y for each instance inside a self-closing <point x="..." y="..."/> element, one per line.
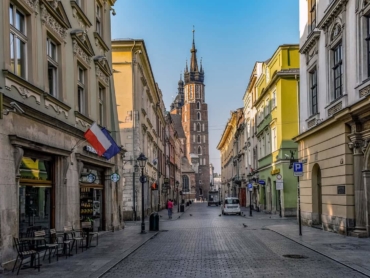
<point x="331" y="13"/>
<point x="80" y="52"/>
<point x="52" y="22"/>
<point x="334" y="109"/>
<point x="56" y="104"/>
<point x="99" y="73"/>
<point x="358" y="145"/>
<point x="78" y="13"/>
<point x="34" y="4"/>
<point x="66" y="162"/>
<point x="365" y="91"/>
<point x="100" y="43"/>
<point x="96" y="160"/>
<point x="23" y="91"/>
<point x="83" y="120"/>
<point x="310" y="42"/>
<point x="335" y="32"/>
<point x="311" y="123"/>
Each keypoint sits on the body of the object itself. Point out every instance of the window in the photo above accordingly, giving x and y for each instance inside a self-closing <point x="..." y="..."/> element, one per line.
<point x="101" y="105"/>
<point x="195" y="126"/>
<point x="313" y="91"/>
<point x="199" y="139"/>
<point x="263" y="146"/>
<point x="199" y="117"/>
<point x="312" y="15"/>
<point x="368" y="44"/>
<point x="18" y="41"/>
<point x="81" y="90"/>
<point x="199" y="150"/>
<point x="273" y="139"/>
<point x="185" y="183"/>
<point x="267" y="107"/>
<point x="98" y="19"/>
<point x="198" y="105"/>
<point x="198" y="127"/>
<point x="268" y="143"/>
<point x="273" y="100"/>
<point x="193" y="138"/>
<point x="51" y="52"/>
<point x="197" y="91"/>
<point x="203" y="128"/>
<point x="337" y="70"/>
<point x="204" y="138"/>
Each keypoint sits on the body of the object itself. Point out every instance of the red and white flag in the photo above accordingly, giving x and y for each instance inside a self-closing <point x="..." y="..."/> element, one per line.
<point x="97" y="139"/>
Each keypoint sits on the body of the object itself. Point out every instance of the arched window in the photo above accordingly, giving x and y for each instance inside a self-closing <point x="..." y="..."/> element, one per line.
<point x="199" y="141"/>
<point x="199" y="117"/>
<point x="199" y="150"/>
<point x="198" y="105"/>
<point x="185" y="183"/>
<point x="198" y="127"/>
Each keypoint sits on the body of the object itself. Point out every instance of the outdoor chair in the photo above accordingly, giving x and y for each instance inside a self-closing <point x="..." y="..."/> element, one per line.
<point x="88" y="225"/>
<point x="51" y="246"/>
<point x="78" y="239"/>
<point x="24" y="252"/>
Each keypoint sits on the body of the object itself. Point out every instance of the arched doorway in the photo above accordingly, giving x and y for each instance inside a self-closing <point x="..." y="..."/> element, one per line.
<point x="316" y="195"/>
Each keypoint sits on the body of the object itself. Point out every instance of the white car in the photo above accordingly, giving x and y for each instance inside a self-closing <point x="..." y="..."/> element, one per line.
<point x="231" y="206"/>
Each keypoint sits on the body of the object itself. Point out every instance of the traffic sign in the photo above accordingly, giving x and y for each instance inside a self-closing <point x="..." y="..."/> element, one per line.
<point x="114" y="177"/>
<point x="250" y="187"/>
<point x="279" y="185"/>
<point x="279" y="177"/>
<point x="298" y="169"/>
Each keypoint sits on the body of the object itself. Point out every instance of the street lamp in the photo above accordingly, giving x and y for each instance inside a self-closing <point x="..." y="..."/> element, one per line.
<point x="136" y="169"/>
<point x="142" y="161"/>
<point x="177" y="189"/>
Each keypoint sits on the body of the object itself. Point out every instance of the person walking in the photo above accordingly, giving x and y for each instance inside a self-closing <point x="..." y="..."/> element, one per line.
<point x="169" y="207"/>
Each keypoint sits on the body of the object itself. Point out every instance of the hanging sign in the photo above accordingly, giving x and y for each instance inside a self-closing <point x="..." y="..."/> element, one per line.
<point x="91" y="178"/>
<point x="261" y="182"/>
<point x="114" y="177"/>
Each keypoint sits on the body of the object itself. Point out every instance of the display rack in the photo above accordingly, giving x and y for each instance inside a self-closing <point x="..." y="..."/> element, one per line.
<point x="86" y="203"/>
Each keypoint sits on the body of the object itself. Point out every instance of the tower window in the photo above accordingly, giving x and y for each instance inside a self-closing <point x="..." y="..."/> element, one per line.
<point x="198" y="105"/>
<point x="199" y="140"/>
<point x="199" y="150"/>
<point x="199" y="117"/>
<point x="198" y="127"/>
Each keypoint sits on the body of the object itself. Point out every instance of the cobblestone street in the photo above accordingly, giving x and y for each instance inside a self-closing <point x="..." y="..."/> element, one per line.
<point x="201" y="243"/>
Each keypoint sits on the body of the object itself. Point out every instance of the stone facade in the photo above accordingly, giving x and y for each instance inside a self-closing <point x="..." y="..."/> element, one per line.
<point x="52" y="92"/>
<point x="334" y="123"/>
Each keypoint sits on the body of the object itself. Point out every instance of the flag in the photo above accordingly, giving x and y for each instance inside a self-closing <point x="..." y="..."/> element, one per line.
<point x="113" y="149"/>
<point x="97" y="139"/>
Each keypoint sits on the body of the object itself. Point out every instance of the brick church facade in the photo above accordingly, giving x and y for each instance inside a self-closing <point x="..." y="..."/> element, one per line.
<point x="190" y="103"/>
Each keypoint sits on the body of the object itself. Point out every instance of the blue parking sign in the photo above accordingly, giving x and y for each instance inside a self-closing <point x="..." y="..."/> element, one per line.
<point x="298" y="169"/>
<point x="250" y="187"/>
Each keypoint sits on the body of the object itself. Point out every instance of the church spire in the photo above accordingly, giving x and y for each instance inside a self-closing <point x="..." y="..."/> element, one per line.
<point x="193" y="62"/>
<point x="201" y="67"/>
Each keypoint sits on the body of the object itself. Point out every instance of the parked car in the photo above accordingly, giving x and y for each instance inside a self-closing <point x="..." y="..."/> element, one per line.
<point x="231" y="206"/>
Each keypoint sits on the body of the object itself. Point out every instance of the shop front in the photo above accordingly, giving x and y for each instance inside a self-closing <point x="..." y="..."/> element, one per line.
<point x="36" y="193"/>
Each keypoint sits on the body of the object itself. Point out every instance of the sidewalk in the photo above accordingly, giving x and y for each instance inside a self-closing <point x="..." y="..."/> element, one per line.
<point x="350" y="251"/>
<point x="113" y="247"/>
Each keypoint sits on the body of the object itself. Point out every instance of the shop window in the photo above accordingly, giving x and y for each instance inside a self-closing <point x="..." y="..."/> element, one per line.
<point x="35" y="191"/>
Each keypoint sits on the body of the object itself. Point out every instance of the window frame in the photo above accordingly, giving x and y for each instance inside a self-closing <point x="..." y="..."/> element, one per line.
<point x="367" y="39"/>
<point x="312" y="79"/>
<point x="337" y="54"/>
<point x="52" y="62"/>
<point x="101" y="104"/>
<point x="199" y="116"/>
<point x="18" y="35"/>
<point x="81" y="87"/>
<point x="99" y="19"/>
<point x="312" y="11"/>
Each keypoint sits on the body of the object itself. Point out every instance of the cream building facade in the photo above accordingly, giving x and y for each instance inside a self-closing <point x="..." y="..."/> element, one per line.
<point x="141" y="124"/>
<point x="56" y="81"/>
<point x="334" y="115"/>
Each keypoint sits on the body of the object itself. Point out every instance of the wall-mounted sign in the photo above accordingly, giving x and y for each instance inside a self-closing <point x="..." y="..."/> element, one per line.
<point x="91" y="178"/>
<point x="166" y="180"/>
<point x="279" y="177"/>
<point x="90" y="149"/>
<point x="275" y="171"/>
<point x="114" y="177"/>
<point x="341" y="189"/>
<point x="262" y="182"/>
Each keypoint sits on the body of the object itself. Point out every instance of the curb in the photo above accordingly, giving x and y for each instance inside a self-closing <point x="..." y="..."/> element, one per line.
<point x="318" y="252"/>
<point x="127" y="253"/>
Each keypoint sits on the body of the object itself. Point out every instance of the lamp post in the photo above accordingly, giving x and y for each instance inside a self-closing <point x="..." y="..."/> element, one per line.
<point x="142" y="161"/>
<point x="136" y="169"/>
<point x="177" y="189"/>
<point x="292" y="160"/>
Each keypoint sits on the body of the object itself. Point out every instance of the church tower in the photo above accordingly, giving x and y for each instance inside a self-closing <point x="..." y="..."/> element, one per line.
<point x="195" y="121"/>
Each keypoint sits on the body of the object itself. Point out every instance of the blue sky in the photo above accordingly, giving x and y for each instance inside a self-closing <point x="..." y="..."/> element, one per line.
<point x="230" y="36"/>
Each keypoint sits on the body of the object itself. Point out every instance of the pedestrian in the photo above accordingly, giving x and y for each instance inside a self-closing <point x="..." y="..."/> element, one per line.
<point x="169" y="206"/>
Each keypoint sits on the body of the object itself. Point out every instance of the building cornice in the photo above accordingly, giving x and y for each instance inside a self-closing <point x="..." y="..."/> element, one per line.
<point x="310" y="42"/>
<point x="331" y="12"/>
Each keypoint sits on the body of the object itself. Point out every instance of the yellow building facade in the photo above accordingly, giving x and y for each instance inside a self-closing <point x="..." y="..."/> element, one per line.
<point x="277" y="123"/>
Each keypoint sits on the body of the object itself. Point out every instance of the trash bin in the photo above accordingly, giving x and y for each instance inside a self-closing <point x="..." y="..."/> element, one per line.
<point x="187" y="204"/>
<point x="182" y="208"/>
<point x="154" y="222"/>
<point x="182" y="201"/>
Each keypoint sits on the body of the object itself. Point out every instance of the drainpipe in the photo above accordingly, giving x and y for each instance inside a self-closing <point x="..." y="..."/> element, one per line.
<point x="133" y="132"/>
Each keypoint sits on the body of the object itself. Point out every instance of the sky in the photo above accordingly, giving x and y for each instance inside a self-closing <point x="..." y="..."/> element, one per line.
<point x="230" y="36"/>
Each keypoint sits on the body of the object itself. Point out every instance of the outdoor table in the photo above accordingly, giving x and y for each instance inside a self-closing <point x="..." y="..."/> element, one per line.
<point x="65" y="238"/>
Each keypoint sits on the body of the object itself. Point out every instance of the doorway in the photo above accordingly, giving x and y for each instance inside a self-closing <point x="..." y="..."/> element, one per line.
<point x="316" y="196"/>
